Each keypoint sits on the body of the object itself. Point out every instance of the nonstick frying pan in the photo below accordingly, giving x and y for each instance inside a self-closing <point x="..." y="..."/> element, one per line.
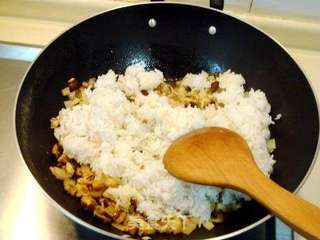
<point x="177" y="41"/>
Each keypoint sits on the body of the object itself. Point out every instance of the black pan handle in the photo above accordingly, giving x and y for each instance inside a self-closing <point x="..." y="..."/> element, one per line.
<point x="217" y="4"/>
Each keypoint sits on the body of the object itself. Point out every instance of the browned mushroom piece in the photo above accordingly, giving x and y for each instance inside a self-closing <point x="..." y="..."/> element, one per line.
<point x="56" y="150"/>
<point x="54" y="123"/>
<point x="59" y="173"/>
<point x="82" y="190"/>
<point x="132" y="230"/>
<point x="70" y="186"/>
<point x="88" y="202"/>
<point x="98" y="185"/>
<point x="218" y="217"/>
<point x="122" y="228"/>
<point x="112" y="181"/>
<point x="189" y="225"/>
<point x="175" y="225"/>
<point x="85" y="84"/>
<point x="96" y="194"/>
<point x="91" y="82"/>
<point x="121" y="217"/>
<point x="69" y="169"/>
<point x="100" y="213"/>
<point x="84" y="171"/>
<point x="63" y="158"/>
<point x="214" y="86"/>
<point x="144" y="92"/>
<point x="72" y="84"/>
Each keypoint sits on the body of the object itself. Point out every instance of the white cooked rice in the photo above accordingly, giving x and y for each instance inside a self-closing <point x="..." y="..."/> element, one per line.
<point x="128" y="139"/>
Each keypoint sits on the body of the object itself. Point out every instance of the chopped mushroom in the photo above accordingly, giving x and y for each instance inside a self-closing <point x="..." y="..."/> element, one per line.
<point x="271" y="145"/>
<point x="121" y="227"/>
<point x="84" y="171"/>
<point x="96" y="194"/>
<point x="189" y="225"/>
<point x="100" y="213"/>
<point x="82" y="190"/>
<point x="121" y="218"/>
<point x="72" y="84"/>
<point x="112" y="181"/>
<point x="65" y="91"/>
<point x="175" y="225"/>
<point x="69" y="169"/>
<point x="88" y="202"/>
<point x="98" y="185"/>
<point x="208" y="225"/>
<point x="56" y="150"/>
<point x="63" y="158"/>
<point x="59" y="173"/>
<point x="54" y="123"/>
<point x="111" y="211"/>
<point x="70" y="186"/>
<point x="218" y="218"/>
<point x="214" y="86"/>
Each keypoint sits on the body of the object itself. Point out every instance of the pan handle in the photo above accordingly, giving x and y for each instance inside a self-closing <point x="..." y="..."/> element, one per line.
<point x="217" y="4"/>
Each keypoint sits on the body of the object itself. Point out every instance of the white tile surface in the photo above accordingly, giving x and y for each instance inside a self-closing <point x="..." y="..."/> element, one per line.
<point x="297" y="9"/>
<point x="35" y="22"/>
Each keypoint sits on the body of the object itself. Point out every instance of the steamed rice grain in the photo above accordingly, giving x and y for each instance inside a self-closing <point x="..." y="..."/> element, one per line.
<point x="127" y="138"/>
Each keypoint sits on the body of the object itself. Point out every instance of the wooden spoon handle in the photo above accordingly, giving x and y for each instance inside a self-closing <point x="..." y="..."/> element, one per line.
<point x="299" y="214"/>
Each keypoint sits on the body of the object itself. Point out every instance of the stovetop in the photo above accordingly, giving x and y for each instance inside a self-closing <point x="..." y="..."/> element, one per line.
<point x="26" y="213"/>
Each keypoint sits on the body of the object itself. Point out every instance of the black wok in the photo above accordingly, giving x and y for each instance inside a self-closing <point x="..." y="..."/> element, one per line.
<point x="179" y="43"/>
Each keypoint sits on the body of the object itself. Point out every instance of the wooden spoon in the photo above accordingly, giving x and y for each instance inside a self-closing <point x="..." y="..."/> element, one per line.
<point x="220" y="157"/>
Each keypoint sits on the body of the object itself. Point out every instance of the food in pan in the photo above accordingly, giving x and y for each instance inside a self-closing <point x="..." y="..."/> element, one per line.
<point x="114" y="130"/>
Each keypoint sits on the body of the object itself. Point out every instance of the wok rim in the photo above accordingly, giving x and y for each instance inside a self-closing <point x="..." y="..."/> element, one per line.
<point x="115" y="236"/>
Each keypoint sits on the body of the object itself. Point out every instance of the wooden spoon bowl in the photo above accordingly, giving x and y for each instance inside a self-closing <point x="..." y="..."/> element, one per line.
<point x="220" y="157"/>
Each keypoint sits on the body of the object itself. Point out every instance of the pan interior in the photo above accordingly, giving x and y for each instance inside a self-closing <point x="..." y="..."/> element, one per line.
<point x="178" y="44"/>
